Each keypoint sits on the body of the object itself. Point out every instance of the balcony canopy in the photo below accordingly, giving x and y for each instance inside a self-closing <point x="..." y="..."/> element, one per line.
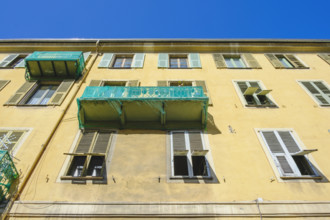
<point x="54" y="65"/>
<point x="143" y="108"/>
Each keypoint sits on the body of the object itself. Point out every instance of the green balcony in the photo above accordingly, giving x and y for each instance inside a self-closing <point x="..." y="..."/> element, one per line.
<point x="8" y="174"/>
<point x="166" y="108"/>
<point x="54" y="65"/>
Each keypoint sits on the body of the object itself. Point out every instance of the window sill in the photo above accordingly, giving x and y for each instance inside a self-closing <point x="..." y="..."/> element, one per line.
<point x="82" y="178"/>
<point x="300" y="177"/>
<point x="262" y="106"/>
<point x="120" y="68"/>
<point x="191" y="178"/>
<point x="179" y="68"/>
<point x="288" y="68"/>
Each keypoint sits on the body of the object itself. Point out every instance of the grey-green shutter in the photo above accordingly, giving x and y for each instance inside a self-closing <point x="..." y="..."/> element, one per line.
<point x="219" y="61"/>
<point x="133" y="83"/>
<point x="162" y="83"/>
<point x="138" y="60"/>
<point x="256" y="85"/>
<point x="242" y="86"/>
<point x="195" y="140"/>
<point x="85" y="142"/>
<point x="325" y="57"/>
<point x="163" y="60"/>
<point x="194" y="60"/>
<point x="202" y="83"/>
<point x="3" y="83"/>
<point x="179" y="143"/>
<point x="289" y="142"/>
<point x="314" y="92"/>
<point x="21" y="92"/>
<point x="284" y="164"/>
<point x="105" y="61"/>
<point x="102" y="142"/>
<point x="251" y="61"/>
<point x="295" y="61"/>
<point x="273" y="59"/>
<point x="7" y="60"/>
<point x="61" y="92"/>
<point x="322" y="87"/>
<point x="95" y="83"/>
<point x="86" y="56"/>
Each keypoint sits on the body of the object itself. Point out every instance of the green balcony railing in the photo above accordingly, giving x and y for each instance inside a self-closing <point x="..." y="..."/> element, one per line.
<point x="143" y="107"/>
<point x="8" y="174"/>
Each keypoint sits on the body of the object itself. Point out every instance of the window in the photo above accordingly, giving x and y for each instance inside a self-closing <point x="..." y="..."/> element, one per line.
<point x="201" y="83"/>
<point x="11" y="138"/>
<point x="189" y="154"/>
<point x="122" y="61"/>
<point x="105" y="82"/>
<point x="88" y="160"/>
<point x="286" y="61"/>
<point x="289" y="158"/>
<point x="253" y="94"/>
<point x="179" y="61"/>
<point x="13" y="61"/>
<point x="41" y="93"/>
<point x="239" y="61"/>
<point x="318" y="90"/>
<point x="3" y="83"/>
<point x="325" y="57"/>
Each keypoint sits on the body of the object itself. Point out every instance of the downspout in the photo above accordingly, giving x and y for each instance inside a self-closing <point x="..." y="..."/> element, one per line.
<point x="45" y="144"/>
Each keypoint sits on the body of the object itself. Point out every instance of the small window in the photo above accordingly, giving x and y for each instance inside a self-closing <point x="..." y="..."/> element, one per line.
<point x="106" y="82"/>
<point x="319" y="90"/>
<point x="189" y="154"/>
<point x="238" y="61"/>
<point x="286" y="61"/>
<point x="289" y="158"/>
<point x="234" y="61"/>
<point x="178" y="62"/>
<point x="325" y="57"/>
<point x="12" y="61"/>
<point x="114" y="83"/>
<point x="41" y="95"/>
<point x="122" y="61"/>
<point x="89" y="156"/>
<point x="181" y="83"/>
<point x="10" y="139"/>
<point x="253" y="95"/>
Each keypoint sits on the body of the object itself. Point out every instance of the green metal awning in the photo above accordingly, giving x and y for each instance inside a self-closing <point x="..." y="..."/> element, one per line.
<point x="143" y="108"/>
<point x="54" y="65"/>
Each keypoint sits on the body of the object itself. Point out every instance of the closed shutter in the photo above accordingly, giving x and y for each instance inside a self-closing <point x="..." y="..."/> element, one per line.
<point x="322" y="87"/>
<point x="138" y="60"/>
<point x="219" y="61"/>
<point x="195" y="140"/>
<point x="95" y="83"/>
<point x="21" y="92"/>
<point x="86" y="56"/>
<point x="7" y="60"/>
<point x="194" y="60"/>
<point x="325" y="57"/>
<point x="85" y="142"/>
<point x="105" y="61"/>
<point x="61" y="92"/>
<point x="273" y="59"/>
<point x="102" y="142"/>
<point x="277" y="153"/>
<point x="3" y="83"/>
<point x="179" y="143"/>
<point x="295" y="61"/>
<point x="202" y="83"/>
<point x="320" y="98"/>
<point x="163" y="60"/>
<point x="251" y="61"/>
<point x="133" y="83"/>
<point x="242" y="86"/>
<point x="289" y="142"/>
<point x="162" y="83"/>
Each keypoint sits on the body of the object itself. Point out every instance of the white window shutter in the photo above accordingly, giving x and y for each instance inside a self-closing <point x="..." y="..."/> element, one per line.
<point x="7" y="60"/>
<point x="106" y="60"/>
<point x="138" y="60"/>
<point x="163" y="60"/>
<point x="252" y="62"/>
<point x="194" y="60"/>
<point x="86" y="55"/>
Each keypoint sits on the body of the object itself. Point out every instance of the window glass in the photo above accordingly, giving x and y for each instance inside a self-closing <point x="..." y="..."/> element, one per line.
<point x="42" y="95"/>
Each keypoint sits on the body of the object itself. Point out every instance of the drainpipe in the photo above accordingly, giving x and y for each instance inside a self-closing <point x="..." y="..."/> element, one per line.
<point x="45" y="144"/>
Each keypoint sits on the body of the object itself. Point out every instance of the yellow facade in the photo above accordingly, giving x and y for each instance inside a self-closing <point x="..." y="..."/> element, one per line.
<point x="246" y="182"/>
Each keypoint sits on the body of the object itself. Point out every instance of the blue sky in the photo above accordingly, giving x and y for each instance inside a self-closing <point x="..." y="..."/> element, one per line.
<point x="301" y="19"/>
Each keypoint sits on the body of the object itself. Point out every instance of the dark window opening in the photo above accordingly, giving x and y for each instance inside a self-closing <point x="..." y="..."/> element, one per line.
<point x="303" y="165"/>
<point x="181" y="83"/>
<point x="199" y="166"/>
<point x="180" y="166"/>
<point x="114" y="83"/>
<point x="95" y="166"/>
<point x="250" y="100"/>
<point x="77" y="166"/>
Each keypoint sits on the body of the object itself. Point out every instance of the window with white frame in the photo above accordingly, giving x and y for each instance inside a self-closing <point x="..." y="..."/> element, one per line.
<point x="319" y="90"/>
<point x="286" y="61"/>
<point x="122" y="61"/>
<point x="10" y="138"/>
<point x="13" y="61"/>
<point x="289" y="157"/>
<point x="253" y="94"/>
<point x="189" y="156"/>
<point x="234" y="61"/>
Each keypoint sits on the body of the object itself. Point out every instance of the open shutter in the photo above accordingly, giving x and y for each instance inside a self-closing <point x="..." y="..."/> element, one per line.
<point x="316" y="93"/>
<point x="251" y="61"/>
<point x="202" y="83"/>
<point x="162" y="83"/>
<point x="7" y="60"/>
<point x="20" y="93"/>
<point x="255" y="85"/>
<point x="3" y="83"/>
<point x="194" y="60"/>
<point x="102" y="142"/>
<point x="163" y="60"/>
<point x="86" y="56"/>
<point x="325" y="57"/>
<point x="21" y="64"/>
<point x="277" y="152"/>
<point x="95" y="83"/>
<point x="105" y="61"/>
<point x="85" y="142"/>
<point x="219" y="61"/>
<point x="273" y="59"/>
<point x="179" y="143"/>
<point x="138" y="60"/>
<point x="61" y="92"/>
<point x="133" y="83"/>
<point x="295" y="61"/>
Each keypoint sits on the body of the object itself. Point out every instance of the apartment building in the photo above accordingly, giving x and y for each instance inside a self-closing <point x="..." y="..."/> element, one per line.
<point x="165" y="128"/>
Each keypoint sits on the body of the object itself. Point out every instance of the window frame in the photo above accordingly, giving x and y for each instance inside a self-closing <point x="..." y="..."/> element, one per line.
<point x="246" y="66"/>
<point x="20" y="141"/>
<point x="125" y="56"/>
<point x="320" y="91"/>
<point x="33" y="91"/>
<point x="17" y="60"/>
<point x="296" y="175"/>
<point x="189" y="156"/>
<point x="255" y="97"/>
<point x="285" y="55"/>
<point x="178" y="57"/>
